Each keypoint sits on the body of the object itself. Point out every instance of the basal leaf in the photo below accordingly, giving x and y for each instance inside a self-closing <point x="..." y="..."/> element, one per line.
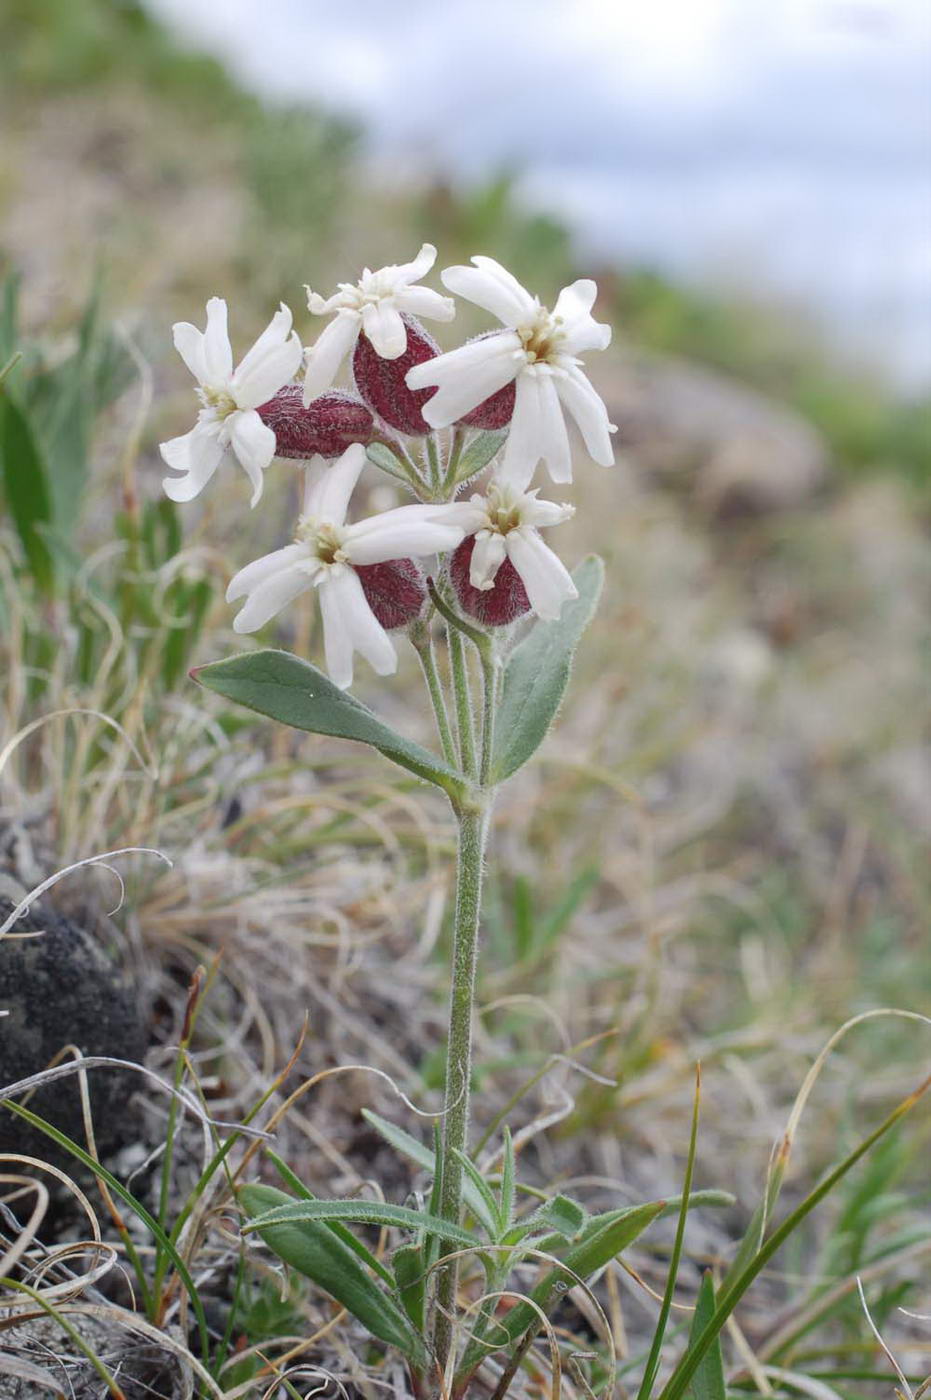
<point x="290" y="690"/>
<point x="708" y="1380"/>
<point x="600" y="1241"/>
<point x="537" y="674"/>
<point x="366" y="1213"/>
<point x="312" y="1248"/>
<point x="424" y="1156"/>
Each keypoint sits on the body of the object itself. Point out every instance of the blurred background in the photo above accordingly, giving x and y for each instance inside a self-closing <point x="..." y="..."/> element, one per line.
<point x="724" y="850"/>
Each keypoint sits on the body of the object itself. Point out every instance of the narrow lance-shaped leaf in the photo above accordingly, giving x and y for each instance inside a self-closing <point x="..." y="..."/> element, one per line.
<point x="479" y="453"/>
<point x="366" y="1213"/>
<point x="424" y="1157"/>
<point x="25" y="480"/>
<point x="708" y="1380"/>
<point x="537" y="674"/>
<point x="311" y="1247"/>
<point x="285" y="688"/>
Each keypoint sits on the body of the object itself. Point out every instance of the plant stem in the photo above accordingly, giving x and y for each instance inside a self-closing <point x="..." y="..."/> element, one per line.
<point x="490" y="672"/>
<point x="470" y="855"/>
<point x="460" y="673"/>
<point x="455" y="452"/>
<point x="422" y="641"/>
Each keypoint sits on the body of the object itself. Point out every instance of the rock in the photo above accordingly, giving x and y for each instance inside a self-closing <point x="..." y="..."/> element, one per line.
<point x="736" y="451"/>
<point x="60" y="989"/>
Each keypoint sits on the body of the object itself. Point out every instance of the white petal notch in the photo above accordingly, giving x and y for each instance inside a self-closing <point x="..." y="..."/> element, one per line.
<point x="375" y="304"/>
<point x="228" y="427"/>
<point x="539" y="349"/>
<point x="325" y="555"/>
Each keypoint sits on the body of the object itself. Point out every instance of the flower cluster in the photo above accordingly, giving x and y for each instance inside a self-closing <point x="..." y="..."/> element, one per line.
<point x="519" y="382"/>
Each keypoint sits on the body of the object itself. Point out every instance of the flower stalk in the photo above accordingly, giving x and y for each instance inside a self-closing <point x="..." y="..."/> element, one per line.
<point x="470" y="856"/>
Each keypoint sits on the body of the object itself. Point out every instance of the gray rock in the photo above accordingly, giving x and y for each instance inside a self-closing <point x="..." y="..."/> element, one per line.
<point x="60" y="989"/>
<point x="735" y="450"/>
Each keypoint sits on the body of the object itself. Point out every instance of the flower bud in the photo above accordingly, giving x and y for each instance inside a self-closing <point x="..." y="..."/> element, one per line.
<point x="504" y="602"/>
<point x="395" y="591"/>
<point x="493" y="413"/>
<point x="327" y="426"/>
<point x="381" y="382"/>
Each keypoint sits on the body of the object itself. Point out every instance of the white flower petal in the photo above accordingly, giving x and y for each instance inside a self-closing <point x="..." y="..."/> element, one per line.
<point x="270" y="596"/>
<point x="399" y="534"/>
<point x="488" y="554"/>
<point x="321" y="306"/>
<point x="259" y="570"/>
<point x="337" y="642"/>
<point x="328" y="488"/>
<point x="332" y="347"/>
<point x="406" y="273"/>
<point x="197" y="454"/>
<point x="254" y="444"/>
<point x="383" y="325"/>
<point x="217" y="351"/>
<point x="538" y="430"/>
<point x="350" y="625"/>
<point x="544" y="576"/>
<point x="581" y="330"/>
<point x="423" y="301"/>
<point x="314" y="473"/>
<point x="467" y="376"/>
<point x="469" y="515"/>
<point x="493" y="288"/>
<point x="542" y="514"/>
<point x="590" y="414"/>
<point x="273" y="360"/>
<point x="189" y="343"/>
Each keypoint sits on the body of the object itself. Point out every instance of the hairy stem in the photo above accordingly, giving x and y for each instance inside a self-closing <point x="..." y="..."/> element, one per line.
<point x="461" y="690"/>
<point x="470" y="856"/>
<point x="422" y="640"/>
<point x="490" y="673"/>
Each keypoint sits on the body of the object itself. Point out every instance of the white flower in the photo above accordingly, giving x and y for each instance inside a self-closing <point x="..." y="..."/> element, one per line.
<point x="374" y="305"/>
<point x="506" y="523"/>
<point x="228" y="421"/>
<point x="539" y="349"/>
<point x="323" y="556"/>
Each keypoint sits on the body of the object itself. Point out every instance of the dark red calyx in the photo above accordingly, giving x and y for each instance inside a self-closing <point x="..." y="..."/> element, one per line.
<point x="504" y="602"/>
<point x="381" y="382"/>
<point x="492" y="414"/>
<point x="326" y="427"/>
<point x="395" y="591"/>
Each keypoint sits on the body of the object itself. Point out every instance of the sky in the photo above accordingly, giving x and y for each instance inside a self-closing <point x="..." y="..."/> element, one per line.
<point x="779" y="147"/>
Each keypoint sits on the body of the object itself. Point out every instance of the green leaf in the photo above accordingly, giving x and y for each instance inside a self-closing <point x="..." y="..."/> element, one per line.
<point x="600" y="1241"/>
<point x="537" y="674"/>
<point x="381" y="456"/>
<point x="508" y="1186"/>
<point x="366" y="1213"/>
<point x="561" y="1214"/>
<point x="290" y="690"/>
<point x="479" y="453"/>
<point x="25" y="479"/>
<point x="411" y="1277"/>
<point x="342" y="1232"/>
<point x="708" y="1380"/>
<point x="488" y="1218"/>
<point x="409" y="1147"/>
<point x="312" y="1248"/>
<point x="65" y="402"/>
